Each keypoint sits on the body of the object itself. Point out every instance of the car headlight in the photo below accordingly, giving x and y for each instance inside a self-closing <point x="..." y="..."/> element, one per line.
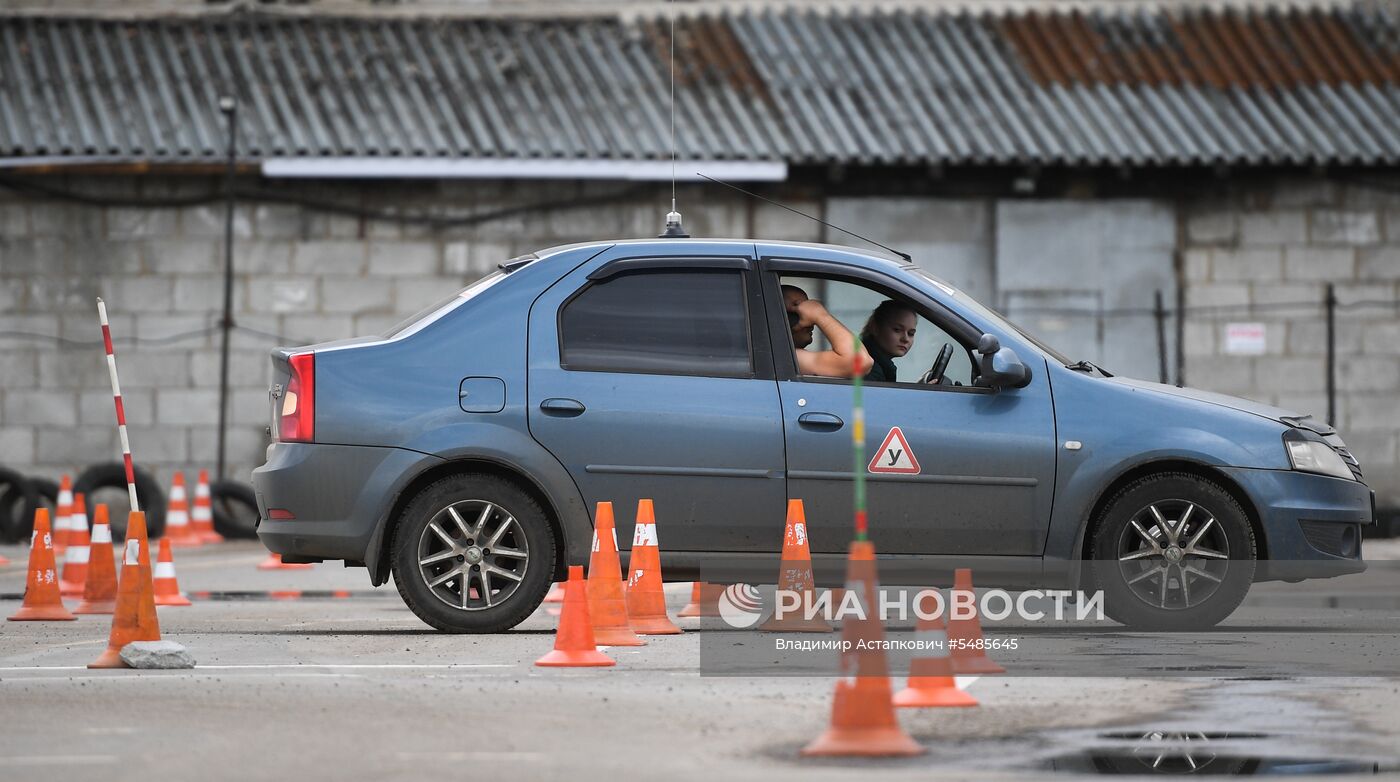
<point x="1317" y="456"/>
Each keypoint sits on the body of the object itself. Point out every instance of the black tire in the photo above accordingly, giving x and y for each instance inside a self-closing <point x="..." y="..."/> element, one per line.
<point x="47" y="492"/>
<point x="532" y="529"/>
<point x="112" y="475"/>
<point x="1155" y="600"/>
<point x="18" y="501"/>
<point x="235" y="508"/>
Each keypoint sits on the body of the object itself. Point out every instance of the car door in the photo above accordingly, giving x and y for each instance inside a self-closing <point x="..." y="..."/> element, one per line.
<point x="652" y="377"/>
<point x="970" y="471"/>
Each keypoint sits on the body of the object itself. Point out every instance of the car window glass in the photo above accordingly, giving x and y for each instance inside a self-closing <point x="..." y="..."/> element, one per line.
<point x="853" y="304"/>
<point x="686" y="323"/>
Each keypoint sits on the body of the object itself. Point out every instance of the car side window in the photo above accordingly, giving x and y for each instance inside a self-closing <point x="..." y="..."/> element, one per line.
<point x="880" y="317"/>
<point x="692" y="322"/>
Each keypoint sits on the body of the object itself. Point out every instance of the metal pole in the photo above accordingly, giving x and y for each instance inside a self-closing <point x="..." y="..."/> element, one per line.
<point x="1180" y="335"/>
<point x="229" y="107"/>
<point x="1331" y="355"/>
<point x="1159" y="310"/>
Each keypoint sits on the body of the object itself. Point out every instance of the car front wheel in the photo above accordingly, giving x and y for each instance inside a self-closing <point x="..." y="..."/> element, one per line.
<point x="1172" y="552"/>
<point x="473" y="554"/>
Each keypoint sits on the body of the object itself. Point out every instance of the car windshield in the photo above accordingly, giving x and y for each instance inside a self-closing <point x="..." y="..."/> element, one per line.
<point x="994" y="317"/>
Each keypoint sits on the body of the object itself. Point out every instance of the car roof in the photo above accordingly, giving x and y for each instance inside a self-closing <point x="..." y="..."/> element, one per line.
<point x="671" y="246"/>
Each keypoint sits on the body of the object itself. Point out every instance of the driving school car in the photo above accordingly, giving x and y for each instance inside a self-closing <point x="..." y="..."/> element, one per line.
<point x="461" y="451"/>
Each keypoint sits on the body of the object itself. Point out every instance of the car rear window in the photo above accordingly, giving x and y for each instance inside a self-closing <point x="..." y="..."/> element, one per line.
<point x="659" y="322"/>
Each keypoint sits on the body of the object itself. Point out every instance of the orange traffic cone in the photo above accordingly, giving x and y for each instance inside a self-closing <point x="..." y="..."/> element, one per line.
<point x="795" y="575"/>
<point x="646" y="599"/>
<point x="75" y="560"/>
<point x="573" y="642"/>
<point x="607" y="606"/>
<point x="177" y="515"/>
<point x="274" y="562"/>
<point x="554" y="598"/>
<point x="41" y="598"/>
<point x="3" y="561"/>
<point x="165" y="586"/>
<point x="202" y="514"/>
<point x="969" y="656"/>
<point x="704" y="600"/>
<point x="100" y="591"/>
<point x="931" y="681"/>
<point x="135" y="617"/>
<point x="862" y="715"/>
<point x="62" y="512"/>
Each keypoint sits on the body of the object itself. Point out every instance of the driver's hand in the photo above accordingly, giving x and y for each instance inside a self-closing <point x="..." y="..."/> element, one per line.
<point x="808" y="312"/>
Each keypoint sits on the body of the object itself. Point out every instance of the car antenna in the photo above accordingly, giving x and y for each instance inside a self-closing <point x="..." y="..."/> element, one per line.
<point x="905" y="256"/>
<point x="673" y="217"/>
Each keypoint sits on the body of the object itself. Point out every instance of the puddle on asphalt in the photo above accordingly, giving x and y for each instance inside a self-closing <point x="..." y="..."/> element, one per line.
<point x="1116" y="762"/>
<point x="1204" y="753"/>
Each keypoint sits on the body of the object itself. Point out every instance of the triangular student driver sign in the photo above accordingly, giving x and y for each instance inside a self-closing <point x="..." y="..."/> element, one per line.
<point x="894" y="455"/>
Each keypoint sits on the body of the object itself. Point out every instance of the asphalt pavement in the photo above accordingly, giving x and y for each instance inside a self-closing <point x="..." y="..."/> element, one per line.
<point x="312" y="674"/>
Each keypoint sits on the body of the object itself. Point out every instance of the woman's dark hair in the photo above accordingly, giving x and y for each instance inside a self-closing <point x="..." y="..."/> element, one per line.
<point x="887" y="311"/>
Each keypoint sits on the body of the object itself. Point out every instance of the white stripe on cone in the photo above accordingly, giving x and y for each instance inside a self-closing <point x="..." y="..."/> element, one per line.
<point x="101" y="533"/>
<point x="133" y="552"/>
<point x="165" y="570"/>
<point x="76" y="555"/>
<point x="176" y="518"/>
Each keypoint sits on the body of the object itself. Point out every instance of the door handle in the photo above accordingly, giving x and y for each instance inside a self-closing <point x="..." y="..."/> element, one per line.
<point x="564" y="408"/>
<point x="825" y="422"/>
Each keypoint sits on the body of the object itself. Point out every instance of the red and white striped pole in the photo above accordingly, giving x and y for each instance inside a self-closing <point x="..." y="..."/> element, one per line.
<point x="117" y="398"/>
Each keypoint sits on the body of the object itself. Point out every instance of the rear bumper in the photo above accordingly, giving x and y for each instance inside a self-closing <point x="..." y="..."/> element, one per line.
<point x="1312" y="523"/>
<point x="338" y="495"/>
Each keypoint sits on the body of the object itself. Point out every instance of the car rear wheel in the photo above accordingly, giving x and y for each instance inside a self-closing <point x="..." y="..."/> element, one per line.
<point x="1172" y="552"/>
<point x="473" y="554"/>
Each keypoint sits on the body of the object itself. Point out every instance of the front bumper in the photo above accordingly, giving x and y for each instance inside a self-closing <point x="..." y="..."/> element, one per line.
<point x="339" y="496"/>
<point x="1312" y="524"/>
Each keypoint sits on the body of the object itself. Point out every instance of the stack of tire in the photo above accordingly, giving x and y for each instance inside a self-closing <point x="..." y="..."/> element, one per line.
<point x="234" y="504"/>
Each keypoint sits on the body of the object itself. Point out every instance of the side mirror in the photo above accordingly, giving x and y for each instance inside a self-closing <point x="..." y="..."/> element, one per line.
<point x="1000" y="367"/>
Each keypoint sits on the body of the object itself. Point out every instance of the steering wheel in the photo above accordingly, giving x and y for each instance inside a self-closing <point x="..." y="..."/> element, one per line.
<point x="934" y="376"/>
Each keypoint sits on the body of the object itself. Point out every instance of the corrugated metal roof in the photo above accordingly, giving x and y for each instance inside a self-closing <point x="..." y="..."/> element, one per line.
<point x="856" y="87"/>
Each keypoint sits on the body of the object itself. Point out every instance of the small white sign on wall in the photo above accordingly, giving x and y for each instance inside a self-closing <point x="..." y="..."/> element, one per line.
<point x="1245" y="339"/>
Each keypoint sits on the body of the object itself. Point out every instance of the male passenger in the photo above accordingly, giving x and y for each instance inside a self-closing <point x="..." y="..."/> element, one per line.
<point x="805" y="315"/>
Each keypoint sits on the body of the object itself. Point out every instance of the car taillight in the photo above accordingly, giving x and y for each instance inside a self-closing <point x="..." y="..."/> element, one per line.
<point x="297" y="424"/>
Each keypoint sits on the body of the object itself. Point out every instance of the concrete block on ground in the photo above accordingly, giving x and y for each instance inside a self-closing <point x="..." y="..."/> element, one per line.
<point x="157" y="655"/>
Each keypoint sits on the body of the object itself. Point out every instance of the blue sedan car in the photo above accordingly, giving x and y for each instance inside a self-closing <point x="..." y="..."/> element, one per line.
<point x="462" y="451"/>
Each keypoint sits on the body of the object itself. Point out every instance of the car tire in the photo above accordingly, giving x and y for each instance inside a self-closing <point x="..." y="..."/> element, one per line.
<point x="112" y="475"/>
<point x="18" y="501"/>
<point x="235" y="509"/>
<point x="1191" y="588"/>
<point x="472" y="497"/>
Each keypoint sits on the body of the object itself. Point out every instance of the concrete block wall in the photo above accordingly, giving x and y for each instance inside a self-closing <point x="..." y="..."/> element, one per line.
<point x="303" y="275"/>
<point x="1252" y="253"/>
